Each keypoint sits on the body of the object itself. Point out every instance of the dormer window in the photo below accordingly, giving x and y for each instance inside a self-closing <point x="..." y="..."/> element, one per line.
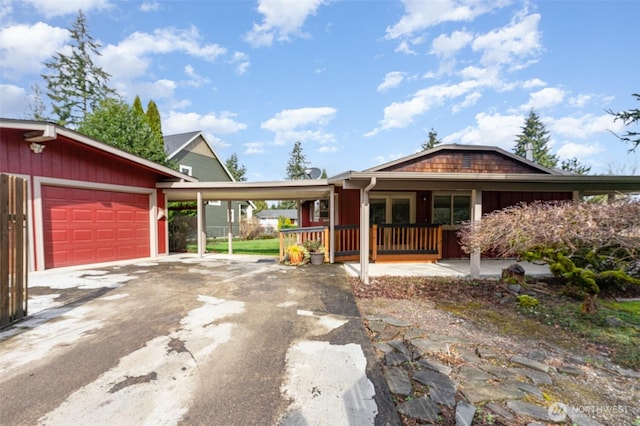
<point x="187" y="170"/>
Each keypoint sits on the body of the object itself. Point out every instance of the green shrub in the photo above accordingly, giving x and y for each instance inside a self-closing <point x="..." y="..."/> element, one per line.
<point x="527" y="302"/>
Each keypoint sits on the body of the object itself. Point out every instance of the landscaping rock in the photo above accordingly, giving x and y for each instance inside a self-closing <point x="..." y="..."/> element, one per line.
<point x="477" y="393"/>
<point x="499" y="410"/>
<point x="537" y="377"/>
<point x="485" y="353"/>
<point x="396" y="358"/>
<point x="399" y="346"/>
<point x="444" y="396"/>
<point x="420" y="408"/>
<point x="376" y="326"/>
<point x="464" y="413"/>
<point x="426" y="346"/>
<point x="534" y="411"/>
<point x="468" y="355"/>
<point x="414" y="333"/>
<point x="537" y="356"/>
<point x="530" y="389"/>
<point x="473" y="375"/>
<point x="530" y="363"/>
<point x="383" y="347"/>
<point x="502" y="372"/>
<point x="398" y="381"/>
<point x="574" y="371"/>
<point x="581" y="419"/>
<point x="435" y="366"/>
<point x="395" y="322"/>
<point x="515" y="288"/>
<point x="433" y="379"/>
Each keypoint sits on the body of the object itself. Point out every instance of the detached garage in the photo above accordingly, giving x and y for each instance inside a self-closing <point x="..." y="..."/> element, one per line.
<point x="88" y="201"/>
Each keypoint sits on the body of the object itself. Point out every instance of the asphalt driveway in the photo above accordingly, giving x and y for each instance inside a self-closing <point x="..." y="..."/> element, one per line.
<point x="218" y="341"/>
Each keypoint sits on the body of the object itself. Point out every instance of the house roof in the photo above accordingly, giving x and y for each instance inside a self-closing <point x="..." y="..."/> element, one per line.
<point x="47" y="132"/>
<point x="276" y="213"/>
<point x="469" y="148"/>
<point x="175" y="143"/>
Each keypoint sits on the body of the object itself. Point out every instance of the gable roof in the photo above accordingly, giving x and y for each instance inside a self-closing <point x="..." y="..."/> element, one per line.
<point x="48" y="132"/>
<point x="276" y="213"/>
<point x="442" y="149"/>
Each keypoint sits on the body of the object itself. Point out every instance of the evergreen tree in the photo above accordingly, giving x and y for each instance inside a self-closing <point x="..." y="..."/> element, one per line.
<point x="115" y="123"/>
<point x="297" y="163"/>
<point x="153" y="118"/>
<point x="629" y="117"/>
<point x="324" y="174"/>
<point x="237" y="171"/>
<point x="574" y="166"/>
<point x="35" y="104"/>
<point x="137" y="106"/>
<point x="432" y="142"/>
<point x="76" y="85"/>
<point x="535" y="133"/>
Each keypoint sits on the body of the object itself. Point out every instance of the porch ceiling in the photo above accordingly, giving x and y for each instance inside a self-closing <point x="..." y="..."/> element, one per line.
<point x="587" y="184"/>
<point x="230" y="191"/>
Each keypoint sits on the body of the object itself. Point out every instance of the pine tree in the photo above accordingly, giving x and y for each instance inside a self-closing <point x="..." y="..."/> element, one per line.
<point x="137" y="106"/>
<point x="35" y="104"/>
<point x="237" y="171"/>
<point x="432" y="142"/>
<point x="535" y="133"/>
<point x="153" y="118"/>
<point x="629" y="118"/>
<point x="573" y="166"/>
<point x="76" y="85"/>
<point x="324" y="174"/>
<point x="297" y="163"/>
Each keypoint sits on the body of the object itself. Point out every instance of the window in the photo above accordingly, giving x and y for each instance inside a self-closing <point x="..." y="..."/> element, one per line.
<point x="320" y="211"/>
<point x="450" y="209"/>
<point x="392" y="207"/>
<point x="187" y="170"/>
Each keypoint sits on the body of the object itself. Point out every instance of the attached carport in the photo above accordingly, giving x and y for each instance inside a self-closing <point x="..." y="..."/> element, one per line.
<point x="200" y="192"/>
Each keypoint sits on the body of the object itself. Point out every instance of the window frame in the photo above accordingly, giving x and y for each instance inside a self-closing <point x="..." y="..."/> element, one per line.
<point x="187" y="170"/>
<point x="388" y="199"/>
<point x="451" y="194"/>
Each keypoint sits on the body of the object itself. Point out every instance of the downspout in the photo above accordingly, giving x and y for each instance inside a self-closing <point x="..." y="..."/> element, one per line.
<point x="364" y="231"/>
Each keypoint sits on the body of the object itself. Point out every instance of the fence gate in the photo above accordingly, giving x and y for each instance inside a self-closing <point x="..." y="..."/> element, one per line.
<point x="13" y="249"/>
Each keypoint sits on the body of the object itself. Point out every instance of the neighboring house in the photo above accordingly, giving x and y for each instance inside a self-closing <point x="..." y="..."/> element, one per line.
<point x="269" y="218"/>
<point x="194" y="156"/>
<point x="88" y="202"/>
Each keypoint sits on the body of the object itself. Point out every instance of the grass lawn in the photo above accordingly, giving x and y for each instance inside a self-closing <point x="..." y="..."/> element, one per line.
<point x="267" y="247"/>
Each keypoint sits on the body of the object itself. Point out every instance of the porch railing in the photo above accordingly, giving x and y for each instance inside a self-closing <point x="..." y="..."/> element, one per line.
<point x="388" y="242"/>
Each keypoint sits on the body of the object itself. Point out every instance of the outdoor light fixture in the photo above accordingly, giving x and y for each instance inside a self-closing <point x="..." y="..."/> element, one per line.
<point x="36" y="147"/>
<point x="37" y="137"/>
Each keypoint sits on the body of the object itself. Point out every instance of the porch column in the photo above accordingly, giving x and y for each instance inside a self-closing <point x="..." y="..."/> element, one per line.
<point x="476" y="217"/>
<point x="230" y="225"/>
<point x="202" y="235"/>
<point x="364" y="231"/>
<point x="332" y="226"/>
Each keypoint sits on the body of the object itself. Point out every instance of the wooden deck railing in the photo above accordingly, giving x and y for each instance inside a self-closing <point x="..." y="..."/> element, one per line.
<point x="13" y="249"/>
<point x="402" y="242"/>
<point x="295" y="236"/>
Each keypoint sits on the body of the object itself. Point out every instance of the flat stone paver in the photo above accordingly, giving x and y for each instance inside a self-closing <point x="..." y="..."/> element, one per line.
<point x="420" y="408"/>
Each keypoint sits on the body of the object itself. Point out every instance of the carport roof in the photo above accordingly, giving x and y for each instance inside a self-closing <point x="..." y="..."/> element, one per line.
<point x="229" y="191"/>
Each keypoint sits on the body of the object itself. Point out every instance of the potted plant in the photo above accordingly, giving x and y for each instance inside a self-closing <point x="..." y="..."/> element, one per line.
<point x="297" y="255"/>
<point x="316" y="251"/>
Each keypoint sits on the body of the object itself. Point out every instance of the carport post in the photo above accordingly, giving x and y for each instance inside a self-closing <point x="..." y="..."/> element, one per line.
<point x="476" y="217"/>
<point x="202" y="235"/>
<point x="332" y="226"/>
<point x="230" y="224"/>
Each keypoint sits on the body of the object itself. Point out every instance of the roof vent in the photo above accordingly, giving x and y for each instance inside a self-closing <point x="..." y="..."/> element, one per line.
<point x="466" y="161"/>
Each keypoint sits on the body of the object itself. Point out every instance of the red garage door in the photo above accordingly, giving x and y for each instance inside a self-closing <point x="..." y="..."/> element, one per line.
<point x="84" y="226"/>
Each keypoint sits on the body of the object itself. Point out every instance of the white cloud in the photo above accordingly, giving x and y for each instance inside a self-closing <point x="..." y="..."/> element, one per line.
<point x="149" y="6"/>
<point x="254" y="148"/>
<point x="241" y="61"/>
<point x="401" y="114"/>
<point x="51" y="8"/>
<point x="469" y="100"/>
<point x="195" y="80"/>
<point x="585" y="126"/>
<point x="131" y="58"/>
<point x="403" y="47"/>
<point x="545" y="98"/>
<point x="420" y="14"/>
<point x="490" y="129"/>
<point x="179" y="122"/>
<point x="24" y="48"/>
<point x="328" y="148"/>
<point x="293" y="124"/>
<point x="571" y="149"/>
<point x="281" y="20"/>
<point x="580" y="100"/>
<point x="520" y="40"/>
<point x="391" y="80"/>
<point x="446" y="46"/>
<point x="13" y="99"/>
<point x="533" y="83"/>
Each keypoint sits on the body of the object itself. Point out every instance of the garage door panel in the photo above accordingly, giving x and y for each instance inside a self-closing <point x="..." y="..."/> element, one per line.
<point x="84" y="226"/>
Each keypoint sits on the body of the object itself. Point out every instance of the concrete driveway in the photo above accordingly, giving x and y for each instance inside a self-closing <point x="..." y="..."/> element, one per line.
<point x="181" y="340"/>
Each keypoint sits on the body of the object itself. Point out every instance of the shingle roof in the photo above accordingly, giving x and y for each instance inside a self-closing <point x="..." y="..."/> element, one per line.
<point x="172" y="143"/>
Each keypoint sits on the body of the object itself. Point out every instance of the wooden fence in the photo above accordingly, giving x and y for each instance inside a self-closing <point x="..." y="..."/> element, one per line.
<point x="13" y="249"/>
<point x="297" y="236"/>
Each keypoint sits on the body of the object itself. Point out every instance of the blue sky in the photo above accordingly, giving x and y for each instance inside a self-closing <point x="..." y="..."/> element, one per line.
<point x="358" y="82"/>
